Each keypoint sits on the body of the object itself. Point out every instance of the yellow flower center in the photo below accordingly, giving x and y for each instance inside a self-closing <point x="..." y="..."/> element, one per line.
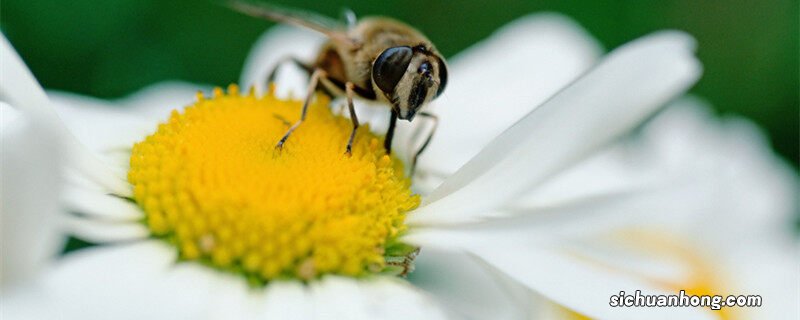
<point x="212" y="183"/>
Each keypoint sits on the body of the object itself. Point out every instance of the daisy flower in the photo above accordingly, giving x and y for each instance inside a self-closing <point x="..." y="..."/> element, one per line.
<point x="204" y="219"/>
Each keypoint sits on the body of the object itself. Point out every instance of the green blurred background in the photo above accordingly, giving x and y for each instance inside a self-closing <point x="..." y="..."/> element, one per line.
<point x="111" y="48"/>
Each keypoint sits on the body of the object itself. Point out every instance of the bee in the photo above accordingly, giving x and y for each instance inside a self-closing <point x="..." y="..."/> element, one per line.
<point x="376" y="58"/>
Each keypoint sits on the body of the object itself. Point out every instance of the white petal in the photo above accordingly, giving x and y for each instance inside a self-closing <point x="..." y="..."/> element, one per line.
<point x="287" y="300"/>
<point x="703" y="167"/>
<point x="29" y="301"/>
<point x="143" y="280"/>
<point x="337" y="297"/>
<point x="613" y="171"/>
<point x="674" y="202"/>
<point x="74" y="178"/>
<point x="117" y="282"/>
<point x="30" y="180"/>
<point x="725" y="165"/>
<point x="106" y="125"/>
<point x="726" y="162"/>
<point x="751" y="202"/>
<point x="127" y="280"/>
<point x="577" y="285"/>
<point x="149" y="286"/>
<point x="19" y="87"/>
<point x="731" y="153"/>
<point x="189" y="289"/>
<point x="680" y="262"/>
<point x="392" y="298"/>
<point x="99" y="124"/>
<point x="278" y="43"/>
<point x="766" y="267"/>
<point x="748" y="227"/>
<point x="497" y="81"/>
<point x="232" y="297"/>
<point x="155" y="102"/>
<point x="611" y="99"/>
<point x="467" y="288"/>
<point x="97" y="231"/>
<point x="101" y="206"/>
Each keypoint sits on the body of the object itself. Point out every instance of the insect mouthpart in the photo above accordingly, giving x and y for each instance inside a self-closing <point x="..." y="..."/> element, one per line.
<point x="430" y="81"/>
<point x="408" y="115"/>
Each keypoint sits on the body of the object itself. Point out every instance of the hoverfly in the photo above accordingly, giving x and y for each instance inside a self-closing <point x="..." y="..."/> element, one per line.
<point x="376" y="58"/>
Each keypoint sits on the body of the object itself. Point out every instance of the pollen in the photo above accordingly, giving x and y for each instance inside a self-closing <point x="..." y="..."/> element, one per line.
<point x="212" y="183"/>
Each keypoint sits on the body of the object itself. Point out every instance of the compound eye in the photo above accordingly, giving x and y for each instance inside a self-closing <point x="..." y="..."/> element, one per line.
<point x="390" y="66"/>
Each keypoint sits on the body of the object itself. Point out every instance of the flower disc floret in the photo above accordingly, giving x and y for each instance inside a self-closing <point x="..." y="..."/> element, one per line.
<point x="212" y="183"/>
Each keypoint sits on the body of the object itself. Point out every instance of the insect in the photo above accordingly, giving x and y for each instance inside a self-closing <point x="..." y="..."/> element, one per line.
<point x="378" y="59"/>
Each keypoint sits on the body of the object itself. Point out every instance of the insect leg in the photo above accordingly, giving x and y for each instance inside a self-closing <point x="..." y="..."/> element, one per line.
<point x="425" y="144"/>
<point x="349" y="88"/>
<point x="407" y="263"/>
<point x="312" y="87"/>
<point x="274" y="73"/>
<point x="387" y="143"/>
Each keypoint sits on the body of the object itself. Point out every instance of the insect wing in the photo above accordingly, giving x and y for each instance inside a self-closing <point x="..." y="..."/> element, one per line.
<point x="332" y="28"/>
